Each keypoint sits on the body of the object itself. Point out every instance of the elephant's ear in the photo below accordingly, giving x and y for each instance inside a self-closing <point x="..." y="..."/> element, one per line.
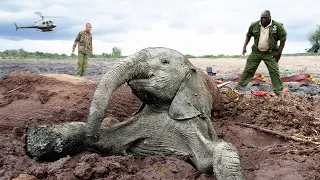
<point x="192" y="99"/>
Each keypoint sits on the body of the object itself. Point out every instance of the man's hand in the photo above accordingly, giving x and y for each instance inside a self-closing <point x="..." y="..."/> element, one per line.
<point x="277" y="56"/>
<point x="244" y="51"/>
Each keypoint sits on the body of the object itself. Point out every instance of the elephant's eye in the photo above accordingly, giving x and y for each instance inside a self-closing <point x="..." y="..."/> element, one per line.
<point x="165" y="60"/>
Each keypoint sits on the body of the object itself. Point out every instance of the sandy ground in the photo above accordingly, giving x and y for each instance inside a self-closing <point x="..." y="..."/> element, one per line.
<point x="277" y="138"/>
<point x="296" y="64"/>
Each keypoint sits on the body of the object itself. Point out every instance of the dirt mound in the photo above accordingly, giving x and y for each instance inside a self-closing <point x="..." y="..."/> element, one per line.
<point x="31" y="98"/>
<point x="28" y="99"/>
<point x="217" y="97"/>
<point x="278" y="138"/>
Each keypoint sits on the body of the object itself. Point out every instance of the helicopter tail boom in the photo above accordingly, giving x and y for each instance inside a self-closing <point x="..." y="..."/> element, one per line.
<point x="16" y="26"/>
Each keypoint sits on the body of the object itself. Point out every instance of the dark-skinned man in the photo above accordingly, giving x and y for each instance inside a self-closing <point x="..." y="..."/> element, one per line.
<point x="266" y="32"/>
<point x="84" y="41"/>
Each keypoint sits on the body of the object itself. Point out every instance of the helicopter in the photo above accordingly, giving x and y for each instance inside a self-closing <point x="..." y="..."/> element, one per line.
<point x="41" y="25"/>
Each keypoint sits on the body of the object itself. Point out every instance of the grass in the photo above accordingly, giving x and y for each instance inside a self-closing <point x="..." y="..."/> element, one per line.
<point x="244" y="57"/>
<point x="55" y="60"/>
<point x="71" y="59"/>
<point x="301" y="54"/>
<point x="221" y="56"/>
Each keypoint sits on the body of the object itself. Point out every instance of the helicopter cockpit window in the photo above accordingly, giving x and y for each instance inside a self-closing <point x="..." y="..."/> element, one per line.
<point x="46" y="22"/>
<point x="43" y="22"/>
<point x="50" y="22"/>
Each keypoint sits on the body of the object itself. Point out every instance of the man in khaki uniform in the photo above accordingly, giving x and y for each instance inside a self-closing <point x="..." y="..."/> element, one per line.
<point x="84" y="41"/>
<point x="266" y="33"/>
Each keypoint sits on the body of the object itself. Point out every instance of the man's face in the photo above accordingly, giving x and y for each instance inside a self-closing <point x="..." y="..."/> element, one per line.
<point x="88" y="28"/>
<point x="265" y="19"/>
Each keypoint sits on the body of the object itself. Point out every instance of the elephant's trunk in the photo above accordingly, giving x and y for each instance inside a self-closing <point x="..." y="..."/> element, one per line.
<point x="52" y="142"/>
<point x="108" y="84"/>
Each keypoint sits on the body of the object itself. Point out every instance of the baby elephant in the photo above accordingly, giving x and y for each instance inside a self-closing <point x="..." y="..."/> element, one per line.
<point x="174" y="120"/>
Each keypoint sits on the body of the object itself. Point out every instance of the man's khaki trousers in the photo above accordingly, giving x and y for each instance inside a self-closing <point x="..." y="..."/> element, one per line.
<point x="82" y="64"/>
<point x="252" y="64"/>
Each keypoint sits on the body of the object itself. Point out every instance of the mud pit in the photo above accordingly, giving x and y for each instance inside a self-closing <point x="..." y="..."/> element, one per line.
<point x="95" y="68"/>
<point x="28" y="99"/>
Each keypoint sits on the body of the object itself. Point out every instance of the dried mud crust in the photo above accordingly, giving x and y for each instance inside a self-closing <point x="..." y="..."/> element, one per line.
<point x="29" y="99"/>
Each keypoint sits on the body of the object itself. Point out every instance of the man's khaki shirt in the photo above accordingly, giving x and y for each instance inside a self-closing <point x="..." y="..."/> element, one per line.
<point x="84" y="41"/>
<point x="275" y="32"/>
<point x="263" y="44"/>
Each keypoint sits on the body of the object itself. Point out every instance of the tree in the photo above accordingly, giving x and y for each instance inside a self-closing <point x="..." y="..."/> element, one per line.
<point x="189" y="56"/>
<point x="314" y="39"/>
<point x="3" y="55"/>
<point x="116" y="52"/>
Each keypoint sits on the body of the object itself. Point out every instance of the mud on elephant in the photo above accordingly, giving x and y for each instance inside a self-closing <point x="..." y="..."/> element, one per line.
<point x="175" y="118"/>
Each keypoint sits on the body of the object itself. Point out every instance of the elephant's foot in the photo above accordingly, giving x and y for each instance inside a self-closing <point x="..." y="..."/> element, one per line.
<point x="49" y="143"/>
<point x="226" y="162"/>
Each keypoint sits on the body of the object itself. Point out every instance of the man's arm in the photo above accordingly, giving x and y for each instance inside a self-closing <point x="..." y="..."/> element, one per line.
<point x="247" y="40"/>
<point x="278" y="54"/>
<point x="282" y="43"/>
<point x="282" y="35"/>
<point x="76" y="42"/>
<point x="244" y="49"/>
<point x="91" y="45"/>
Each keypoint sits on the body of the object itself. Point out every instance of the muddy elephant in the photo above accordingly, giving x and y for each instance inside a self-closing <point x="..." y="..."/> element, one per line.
<point x="175" y="118"/>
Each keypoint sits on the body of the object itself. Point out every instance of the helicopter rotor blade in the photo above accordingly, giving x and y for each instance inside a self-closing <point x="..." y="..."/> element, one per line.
<point x="54" y="16"/>
<point x="39" y="13"/>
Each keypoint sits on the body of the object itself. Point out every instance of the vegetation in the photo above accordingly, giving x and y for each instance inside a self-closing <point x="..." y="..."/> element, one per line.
<point x="189" y="56"/>
<point x="221" y="56"/>
<point x="22" y="54"/>
<point x="116" y="53"/>
<point x="314" y="39"/>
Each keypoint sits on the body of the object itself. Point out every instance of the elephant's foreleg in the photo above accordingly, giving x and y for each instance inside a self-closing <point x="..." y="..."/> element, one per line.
<point x="51" y="142"/>
<point x="213" y="156"/>
<point x="226" y="162"/>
